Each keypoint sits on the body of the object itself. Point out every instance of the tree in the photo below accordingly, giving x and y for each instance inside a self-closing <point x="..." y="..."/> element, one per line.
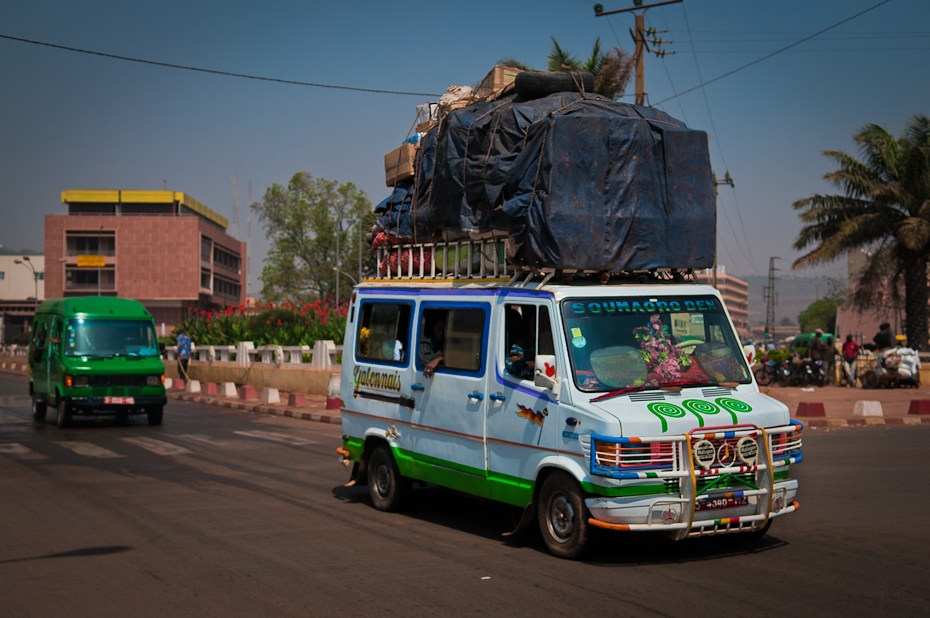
<point x="786" y="321"/>
<point x="314" y="225"/>
<point x="819" y="314"/>
<point x="612" y="69"/>
<point x="884" y="206"/>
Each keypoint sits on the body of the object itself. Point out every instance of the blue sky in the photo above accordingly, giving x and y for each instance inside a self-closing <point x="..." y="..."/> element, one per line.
<point x="73" y="121"/>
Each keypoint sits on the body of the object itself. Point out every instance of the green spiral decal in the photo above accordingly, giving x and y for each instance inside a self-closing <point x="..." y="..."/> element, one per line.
<point x="733" y="406"/>
<point x="699" y="407"/>
<point x="663" y="410"/>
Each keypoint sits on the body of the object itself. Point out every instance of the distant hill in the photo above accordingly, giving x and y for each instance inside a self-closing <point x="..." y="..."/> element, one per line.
<point x="794" y="295"/>
<point x="6" y="251"/>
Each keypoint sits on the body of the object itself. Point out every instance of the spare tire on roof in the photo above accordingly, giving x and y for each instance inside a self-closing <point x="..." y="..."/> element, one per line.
<point x="536" y="84"/>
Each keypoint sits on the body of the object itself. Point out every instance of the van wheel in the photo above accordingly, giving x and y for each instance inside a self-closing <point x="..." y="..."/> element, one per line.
<point x="155" y="415"/>
<point x="388" y="489"/>
<point x="64" y="413"/>
<point x="38" y="408"/>
<point x="563" y="517"/>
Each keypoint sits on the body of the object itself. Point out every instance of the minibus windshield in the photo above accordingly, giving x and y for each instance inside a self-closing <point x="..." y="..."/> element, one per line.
<point x="110" y="338"/>
<point x="635" y="343"/>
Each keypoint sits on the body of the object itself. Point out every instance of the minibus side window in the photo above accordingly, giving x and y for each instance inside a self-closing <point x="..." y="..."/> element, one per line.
<point x="384" y="332"/>
<point x="527" y="332"/>
<point x="453" y="335"/>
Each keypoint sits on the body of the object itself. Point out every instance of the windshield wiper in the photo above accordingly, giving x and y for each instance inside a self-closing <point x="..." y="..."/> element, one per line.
<point x="617" y="393"/>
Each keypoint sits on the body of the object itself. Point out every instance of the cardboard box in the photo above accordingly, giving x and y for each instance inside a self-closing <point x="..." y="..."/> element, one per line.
<point x="398" y="164"/>
<point x="499" y="77"/>
<point x="423" y="127"/>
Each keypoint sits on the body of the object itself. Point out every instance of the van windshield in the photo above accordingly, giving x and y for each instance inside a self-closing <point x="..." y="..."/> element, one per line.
<point x="642" y="342"/>
<point x="109" y="338"/>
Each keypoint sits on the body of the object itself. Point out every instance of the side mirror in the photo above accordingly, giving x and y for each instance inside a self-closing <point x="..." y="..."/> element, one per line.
<point x="749" y="352"/>
<point x="545" y="375"/>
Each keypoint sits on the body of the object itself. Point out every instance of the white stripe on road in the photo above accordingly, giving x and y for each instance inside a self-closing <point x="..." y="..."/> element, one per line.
<point x="20" y="452"/>
<point x="157" y="446"/>
<point x="276" y="437"/>
<point x="89" y="450"/>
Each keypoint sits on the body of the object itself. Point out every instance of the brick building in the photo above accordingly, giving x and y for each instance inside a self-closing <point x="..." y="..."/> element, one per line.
<point x="162" y="248"/>
<point x="735" y="294"/>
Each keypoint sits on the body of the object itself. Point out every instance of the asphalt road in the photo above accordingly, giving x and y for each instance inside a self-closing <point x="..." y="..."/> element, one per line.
<point x="221" y="513"/>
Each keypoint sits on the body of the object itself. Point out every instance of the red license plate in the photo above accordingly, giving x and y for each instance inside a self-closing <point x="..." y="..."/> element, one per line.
<point x="721" y="503"/>
<point x="122" y="401"/>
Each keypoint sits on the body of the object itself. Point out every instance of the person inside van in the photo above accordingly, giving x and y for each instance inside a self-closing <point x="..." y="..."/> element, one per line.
<point x="521" y="332"/>
<point x="431" y="346"/>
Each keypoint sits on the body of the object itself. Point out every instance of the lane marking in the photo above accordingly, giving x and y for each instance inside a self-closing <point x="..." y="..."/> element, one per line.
<point x="157" y="446"/>
<point x="14" y="449"/>
<point x="284" y="438"/>
<point x="89" y="450"/>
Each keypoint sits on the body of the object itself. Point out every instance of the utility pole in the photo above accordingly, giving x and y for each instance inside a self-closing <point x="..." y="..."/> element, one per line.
<point x="639" y="39"/>
<point x="727" y="180"/>
<point x="771" y="299"/>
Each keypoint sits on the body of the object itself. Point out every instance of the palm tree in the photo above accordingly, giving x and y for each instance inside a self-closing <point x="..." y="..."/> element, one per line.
<point x="612" y="70"/>
<point x="885" y="206"/>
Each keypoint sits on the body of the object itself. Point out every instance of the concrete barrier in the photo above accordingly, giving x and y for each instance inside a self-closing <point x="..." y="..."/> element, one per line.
<point x="192" y="386"/>
<point x="919" y="406"/>
<point x="229" y="390"/>
<point x="210" y="389"/>
<point x="248" y="393"/>
<point x="178" y="384"/>
<point x="296" y="399"/>
<point x="868" y="408"/>
<point x="806" y="408"/>
<point x="271" y="395"/>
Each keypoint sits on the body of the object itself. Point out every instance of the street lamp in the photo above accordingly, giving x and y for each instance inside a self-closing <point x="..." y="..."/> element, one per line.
<point x="27" y="262"/>
<point x="346" y="274"/>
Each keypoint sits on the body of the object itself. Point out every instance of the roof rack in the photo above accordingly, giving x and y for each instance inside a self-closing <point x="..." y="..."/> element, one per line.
<point x="469" y="259"/>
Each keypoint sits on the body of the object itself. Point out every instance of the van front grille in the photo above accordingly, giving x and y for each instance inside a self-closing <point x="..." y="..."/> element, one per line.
<point x="116" y="380"/>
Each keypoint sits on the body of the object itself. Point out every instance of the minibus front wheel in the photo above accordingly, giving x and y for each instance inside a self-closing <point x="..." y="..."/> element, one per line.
<point x="155" y="414"/>
<point x="64" y="412"/>
<point x="563" y="516"/>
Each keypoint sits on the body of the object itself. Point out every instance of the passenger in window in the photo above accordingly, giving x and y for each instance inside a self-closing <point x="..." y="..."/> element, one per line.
<point x="521" y="333"/>
<point x="431" y="347"/>
<point x="520" y="362"/>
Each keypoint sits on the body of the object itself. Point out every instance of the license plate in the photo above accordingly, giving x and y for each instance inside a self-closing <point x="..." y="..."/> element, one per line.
<point x="122" y="401"/>
<point x="721" y="503"/>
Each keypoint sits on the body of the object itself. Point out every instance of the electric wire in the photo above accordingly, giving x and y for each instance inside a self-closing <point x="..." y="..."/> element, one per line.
<point x="713" y="127"/>
<point x="213" y="71"/>
<point x="783" y="49"/>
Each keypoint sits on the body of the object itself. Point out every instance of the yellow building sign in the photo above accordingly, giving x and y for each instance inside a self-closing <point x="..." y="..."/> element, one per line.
<point x="91" y="261"/>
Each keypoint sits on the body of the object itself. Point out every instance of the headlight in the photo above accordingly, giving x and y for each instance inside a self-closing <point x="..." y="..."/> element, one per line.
<point x="80" y="381"/>
<point x="155" y="380"/>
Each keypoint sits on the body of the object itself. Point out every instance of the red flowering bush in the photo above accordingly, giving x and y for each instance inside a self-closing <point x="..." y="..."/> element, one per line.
<point x="288" y="323"/>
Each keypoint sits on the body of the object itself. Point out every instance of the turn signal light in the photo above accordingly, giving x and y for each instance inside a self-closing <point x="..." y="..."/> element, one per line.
<point x="69" y="381"/>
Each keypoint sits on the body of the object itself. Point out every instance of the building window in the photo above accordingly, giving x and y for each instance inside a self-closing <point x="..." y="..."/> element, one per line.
<point x="226" y="259"/>
<point x="205" y="249"/>
<point x="90" y="279"/>
<point x="96" y="243"/>
<point x="205" y="280"/>
<point x="40" y="276"/>
<point x="2" y="275"/>
<point x="226" y="288"/>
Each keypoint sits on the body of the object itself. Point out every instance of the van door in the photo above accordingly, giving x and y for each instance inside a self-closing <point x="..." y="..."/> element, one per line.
<point x="53" y="355"/>
<point x="522" y="418"/>
<point x="449" y="413"/>
<point x="38" y="355"/>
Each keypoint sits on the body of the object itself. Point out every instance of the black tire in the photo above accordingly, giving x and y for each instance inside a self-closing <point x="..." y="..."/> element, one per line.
<point x="155" y="415"/>
<point x="536" y="84"/>
<point x="389" y="491"/>
<point x="869" y="379"/>
<point x="563" y="517"/>
<point x="39" y="408"/>
<point x="122" y="418"/>
<point x="763" y="376"/>
<point x="64" y="413"/>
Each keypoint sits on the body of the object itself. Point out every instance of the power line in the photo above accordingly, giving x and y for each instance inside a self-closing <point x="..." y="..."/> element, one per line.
<point x="213" y="71"/>
<point x="723" y="159"/>
<point x="783" y="49"/>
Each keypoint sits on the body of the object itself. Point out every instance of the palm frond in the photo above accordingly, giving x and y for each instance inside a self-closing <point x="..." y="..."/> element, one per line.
<point x="913" y="233"/>
<point x="510" y="61"/>
<point x="562" y="59"/>
<point x="593" y="62"/>
<point x="614" y="74"/>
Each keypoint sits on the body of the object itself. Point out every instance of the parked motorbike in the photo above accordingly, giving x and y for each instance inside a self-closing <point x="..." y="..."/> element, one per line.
<point x="893" y="368"/>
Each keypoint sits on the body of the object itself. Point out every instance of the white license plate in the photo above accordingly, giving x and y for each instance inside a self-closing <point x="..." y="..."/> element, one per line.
<point x="122" y="401"/>
<point x="721" y="503"/>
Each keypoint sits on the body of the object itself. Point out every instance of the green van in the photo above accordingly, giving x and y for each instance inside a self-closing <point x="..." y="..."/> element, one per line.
<point x="95" y="355"/>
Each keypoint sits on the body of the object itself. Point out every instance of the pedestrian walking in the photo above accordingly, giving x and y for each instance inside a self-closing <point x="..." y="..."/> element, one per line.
<point x="850" y="360"/>
<point x="184" y="353"/>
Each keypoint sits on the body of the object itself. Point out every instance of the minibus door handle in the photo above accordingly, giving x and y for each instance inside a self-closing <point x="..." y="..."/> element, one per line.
<point x="417" y="387"/>
<point x="476" y="396"/>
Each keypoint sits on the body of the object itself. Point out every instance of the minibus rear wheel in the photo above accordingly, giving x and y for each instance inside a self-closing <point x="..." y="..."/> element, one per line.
<point x="563" y="516"/>
<point x="388" y="489"/>
<point x="155" y="414"/>
<point x="39" y="408"/>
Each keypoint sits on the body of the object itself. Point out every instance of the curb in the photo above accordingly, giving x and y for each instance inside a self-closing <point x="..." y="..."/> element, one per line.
<point x="256" y="408"/>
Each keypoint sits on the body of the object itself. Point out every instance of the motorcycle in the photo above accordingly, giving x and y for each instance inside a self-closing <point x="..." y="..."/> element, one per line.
<point x="893" y="368"/>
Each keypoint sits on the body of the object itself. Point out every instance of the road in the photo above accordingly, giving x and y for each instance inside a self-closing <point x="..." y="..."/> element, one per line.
<point x="222" y="513"/>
